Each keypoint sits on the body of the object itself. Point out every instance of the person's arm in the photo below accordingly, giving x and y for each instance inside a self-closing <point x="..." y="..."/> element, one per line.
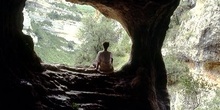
<point x="97" y="61"/>
<point x="111" y="58"/>
<point x="97" y="65"/>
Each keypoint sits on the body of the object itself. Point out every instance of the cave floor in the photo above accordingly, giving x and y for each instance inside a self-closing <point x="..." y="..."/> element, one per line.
<point x="67" y="88"/>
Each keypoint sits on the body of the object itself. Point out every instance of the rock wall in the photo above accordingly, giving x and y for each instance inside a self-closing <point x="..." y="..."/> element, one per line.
<point x="198" y="36"/>
<point x="17" y="58"/>
<point x="197" y="39"/>
<point x="59" y="18"/>
<point x="145" y="21"/>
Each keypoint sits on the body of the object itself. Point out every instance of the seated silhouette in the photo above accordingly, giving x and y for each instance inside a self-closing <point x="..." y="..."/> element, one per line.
<point x="104" y="60"/>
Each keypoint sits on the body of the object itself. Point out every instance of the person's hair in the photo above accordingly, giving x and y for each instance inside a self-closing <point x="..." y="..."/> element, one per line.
<point x="105" y="45"/>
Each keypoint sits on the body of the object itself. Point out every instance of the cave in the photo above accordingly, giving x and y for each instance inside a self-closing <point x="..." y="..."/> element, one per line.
<point x="140" y="84"/>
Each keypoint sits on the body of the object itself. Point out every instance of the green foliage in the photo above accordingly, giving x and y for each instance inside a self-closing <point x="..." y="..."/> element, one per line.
<point x="69" y="7"/>
<point x="47" y="22"/>
<point x="175" y="68"/>
<point x="96" y="31"/>
<point x="121" y="50"/>
<point x="189" y="91"/>
<point x="191" y="88"/>
<point x="179" y="15"/>
<point x="54" y="56"/>
<point x="30" y="5"/>
<point x="75" y="106"/>
<point x="54" y="15"/>
<point x="49" y="47"/>
<point x="214" y="103"/>
<point x="86" y="9"/>
<point x="74" y="15"/>
<point x="189" y="84"/>
<point x="53" y="49"/>
<point x="194" y="89"/>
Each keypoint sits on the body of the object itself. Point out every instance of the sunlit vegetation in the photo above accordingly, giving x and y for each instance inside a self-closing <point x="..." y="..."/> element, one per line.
<point x="186" y="92"/>
<point x="50" y="47"/>
<point x="94" y="31"/>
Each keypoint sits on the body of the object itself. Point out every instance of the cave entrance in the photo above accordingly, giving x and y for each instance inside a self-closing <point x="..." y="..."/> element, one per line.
<point x="70" y="34"/>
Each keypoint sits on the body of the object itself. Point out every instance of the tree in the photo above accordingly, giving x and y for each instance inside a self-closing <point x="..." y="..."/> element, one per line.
<point x="92" y="34"/>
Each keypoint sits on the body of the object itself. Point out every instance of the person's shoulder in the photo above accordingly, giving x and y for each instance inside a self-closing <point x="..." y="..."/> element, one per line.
<point x="100" y="52"/>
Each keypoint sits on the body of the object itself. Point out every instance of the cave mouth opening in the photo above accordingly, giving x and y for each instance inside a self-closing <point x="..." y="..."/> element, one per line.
<point x="71" y="34"/>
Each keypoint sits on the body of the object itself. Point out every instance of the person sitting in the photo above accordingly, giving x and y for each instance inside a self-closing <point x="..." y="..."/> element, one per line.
<point x="104" y="59"/>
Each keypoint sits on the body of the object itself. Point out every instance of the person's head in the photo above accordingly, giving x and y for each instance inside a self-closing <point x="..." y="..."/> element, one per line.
<point x="105" y="45"/>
